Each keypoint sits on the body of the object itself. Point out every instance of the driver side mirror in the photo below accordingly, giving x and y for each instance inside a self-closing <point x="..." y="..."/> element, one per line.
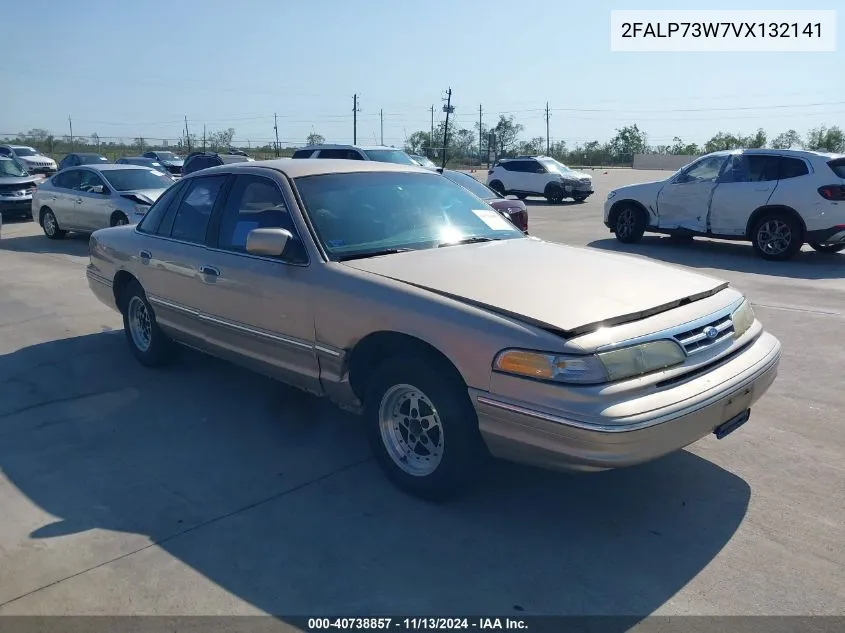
<point x="268" y="242"/>
<point x="681" y="179"/>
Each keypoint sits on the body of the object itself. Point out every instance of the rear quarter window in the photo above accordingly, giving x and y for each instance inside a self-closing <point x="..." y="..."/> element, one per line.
<point x="792" y="168"/>
<point x="303" y="153"/>
<point x="838" y="167"/>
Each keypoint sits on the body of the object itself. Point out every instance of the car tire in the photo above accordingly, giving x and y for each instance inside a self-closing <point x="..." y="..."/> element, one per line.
<point x="414" y="400"/>
<point x="826" y="248"/>
<point x="498" y="187"/>
<point x="554" y="194"/>
<point x="50" y="225"/>
<point x="629" y="224"/>
<point x="777" y="236"/>
<point x="118" y="218"/>
<point x="148" y="343"/>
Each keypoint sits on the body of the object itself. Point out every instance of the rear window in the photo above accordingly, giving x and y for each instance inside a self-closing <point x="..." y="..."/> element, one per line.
<point x="303" y="153"/>
<point x="389" y="156"/>
<point x="137" y="179"/>
<point x="91" y="159"/>
<point x="838" y="167"/>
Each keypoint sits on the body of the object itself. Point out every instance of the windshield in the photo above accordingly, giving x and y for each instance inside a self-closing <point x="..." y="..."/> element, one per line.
<point x="134" y="179"/>
<point x="358" y="213"/>
<point x="552" y="165"/>
<point x="468" y="182"/>
<point x="389" y="156"/>
<point x="25" y="151"/>
<point x="10" y="167"/>
<point x="167" y="156"/>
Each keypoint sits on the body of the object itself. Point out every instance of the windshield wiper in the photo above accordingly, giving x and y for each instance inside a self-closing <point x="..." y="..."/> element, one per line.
<point x="384" y="251"/>
<point x="469" y="240"/>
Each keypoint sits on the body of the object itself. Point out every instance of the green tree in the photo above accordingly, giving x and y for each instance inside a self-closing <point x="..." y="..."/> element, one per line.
<point x="787" y="140"/>
<point x="628" y="141"/>
<point x="680" y="148"/>
<point x="722" y="141"/>
<point x="826" y="139"/>
<point x="418" y="142"/>
<point x="315" y="139"/>
<point x="507" y="134"/>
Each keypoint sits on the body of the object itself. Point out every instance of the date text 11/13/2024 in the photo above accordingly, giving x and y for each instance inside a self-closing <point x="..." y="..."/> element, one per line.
<point x="417" y="624"/>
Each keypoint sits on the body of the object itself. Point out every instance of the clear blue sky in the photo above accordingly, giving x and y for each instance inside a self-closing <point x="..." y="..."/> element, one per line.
<point x="128" y="69"/>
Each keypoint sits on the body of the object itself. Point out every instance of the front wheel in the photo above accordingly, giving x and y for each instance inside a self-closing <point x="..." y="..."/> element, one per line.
<point x="423" y="429"/>
<point x="554" y="194"/>
<point x="826" y="248"/>
<point x="630" y="225"/>
<point x="498" y="187"/>
<point x="119" y="219"/>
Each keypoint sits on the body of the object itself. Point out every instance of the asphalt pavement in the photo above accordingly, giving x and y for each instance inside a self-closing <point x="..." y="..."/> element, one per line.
<point x="207" y="489"/>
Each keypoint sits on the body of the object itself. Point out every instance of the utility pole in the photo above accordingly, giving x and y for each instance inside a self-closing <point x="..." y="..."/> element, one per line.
<point x="479" y="133"/>
<point x="355" y="119"/>
<point x="203" y="137"/>
<point x="431" y="136"/>
<point x="187" y="135"/>
<point x="70" y="123"/>
<point x="448" y="109"/>
<point x="548" y="145"/>
<point x="276" y="130"/>
<point x="381" y="119"/>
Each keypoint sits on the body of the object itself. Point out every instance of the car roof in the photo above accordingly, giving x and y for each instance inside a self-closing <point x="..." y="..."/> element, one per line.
<point x="136" y="158"/>
<point x="347" y="146"/>
<point x="84" y="154"/>
<point x="108" y="167"/>
<point x="23" y="147"/>
<point x="317" y="167"/>
<point x="798" y="153"/>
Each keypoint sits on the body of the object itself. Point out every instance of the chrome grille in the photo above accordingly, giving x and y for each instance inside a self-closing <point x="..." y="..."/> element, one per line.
<point x="697" y="339"/>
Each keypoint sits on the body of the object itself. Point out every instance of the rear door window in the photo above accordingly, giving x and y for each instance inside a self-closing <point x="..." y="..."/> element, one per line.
<point x="67" y="179"/>
<point x="303" y="153"/>
<point x="343" y="154"/>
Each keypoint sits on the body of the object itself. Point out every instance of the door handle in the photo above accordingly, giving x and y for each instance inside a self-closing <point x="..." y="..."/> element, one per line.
<point x="209" y="270"/>
<point x="146" y="256"/>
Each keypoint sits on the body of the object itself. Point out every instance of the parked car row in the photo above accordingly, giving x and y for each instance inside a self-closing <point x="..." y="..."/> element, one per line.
<point x="390" y="290"/>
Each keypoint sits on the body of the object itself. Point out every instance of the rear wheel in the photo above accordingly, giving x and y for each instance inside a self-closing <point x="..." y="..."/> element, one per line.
<point x="51" y="225"/>
<point x="777" y="237"/>
<point x="630" y="224"/>
<point x="498" y="187"/>
<point x="148" y="343"/>
<point x="422" y="428"/>
<point x="826" y="248"/>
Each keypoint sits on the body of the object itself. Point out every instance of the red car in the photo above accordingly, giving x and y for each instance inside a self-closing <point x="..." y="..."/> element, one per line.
<point x="510" y="206"/>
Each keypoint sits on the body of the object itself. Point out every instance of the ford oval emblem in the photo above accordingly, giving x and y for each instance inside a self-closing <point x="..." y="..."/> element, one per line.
<point x="711" y="332"/>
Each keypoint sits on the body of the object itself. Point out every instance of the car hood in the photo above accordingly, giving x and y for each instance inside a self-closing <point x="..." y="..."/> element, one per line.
<point x="564" y="288"/>
<point x="653" y="185"/>
<point x="577" y="175"/>
<point x="19" y="180"/>
<point x="35" y="159"/>
<point x="145" y="196"/>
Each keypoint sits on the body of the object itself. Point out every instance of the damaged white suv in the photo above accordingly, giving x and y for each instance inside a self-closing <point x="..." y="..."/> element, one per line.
<point x="776" y="199"/>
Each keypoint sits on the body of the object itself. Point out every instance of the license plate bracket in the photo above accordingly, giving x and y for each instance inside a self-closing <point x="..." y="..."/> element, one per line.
<point x="726" y="428"/>
<point x="736" y="412"/>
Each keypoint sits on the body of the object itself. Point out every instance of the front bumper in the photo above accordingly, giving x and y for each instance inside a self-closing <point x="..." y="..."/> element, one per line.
<point x="46" y="170"/>
<point x="831" y="235"/>
<point x="16" y="207"/>
<point x="517" y="432"/>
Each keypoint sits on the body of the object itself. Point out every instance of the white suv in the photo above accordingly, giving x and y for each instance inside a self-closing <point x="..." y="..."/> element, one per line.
<point x="33" y="160"/>
<point x="539" y="176"/>
<point x="776" y="199"/>
<point x="378" y="153"/>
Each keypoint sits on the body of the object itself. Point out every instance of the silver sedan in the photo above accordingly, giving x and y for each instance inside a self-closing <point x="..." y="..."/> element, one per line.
<point x="92" y="197"/>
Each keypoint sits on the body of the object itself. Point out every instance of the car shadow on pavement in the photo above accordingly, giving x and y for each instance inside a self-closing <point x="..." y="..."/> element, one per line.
<point x="272" y="495"/>
<point x="72" y="244"/>
<point x="737" y="256"/>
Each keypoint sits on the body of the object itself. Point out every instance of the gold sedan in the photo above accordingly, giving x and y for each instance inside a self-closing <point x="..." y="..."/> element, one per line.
<point x="400" y="295"/>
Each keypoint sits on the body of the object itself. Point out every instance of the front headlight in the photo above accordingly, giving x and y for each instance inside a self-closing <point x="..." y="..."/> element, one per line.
<point x="611" y="194"/>
<point x="608" y="366"/>
<point x="636" y="360"/>
<point x="743" y="318"/>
